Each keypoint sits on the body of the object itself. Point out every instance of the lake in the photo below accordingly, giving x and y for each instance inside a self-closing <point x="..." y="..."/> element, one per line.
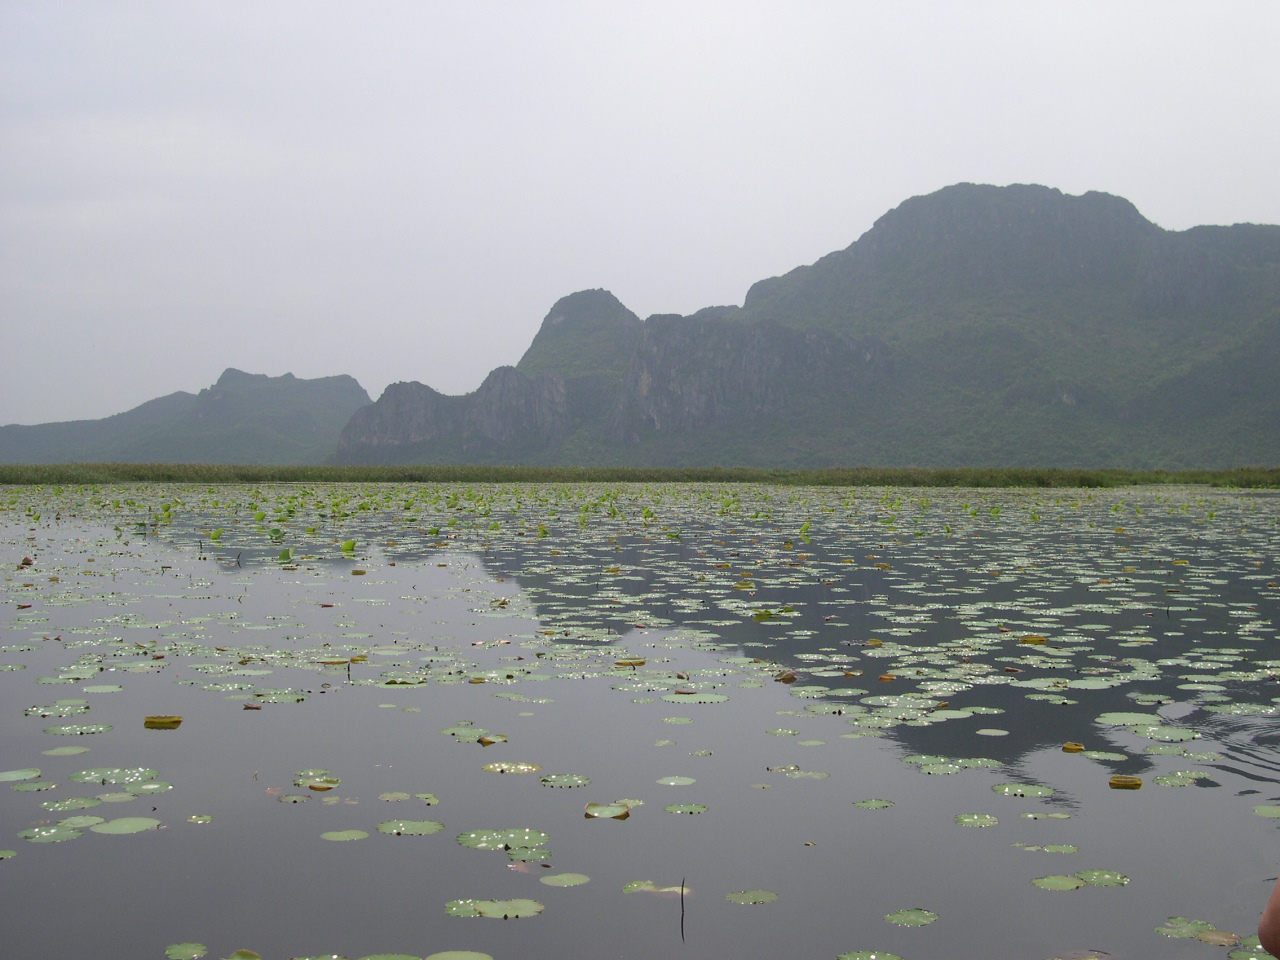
<point x="529" y="722"/>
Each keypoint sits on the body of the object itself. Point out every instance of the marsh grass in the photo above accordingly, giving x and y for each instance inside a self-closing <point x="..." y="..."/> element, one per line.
<point x="91" y="473"/>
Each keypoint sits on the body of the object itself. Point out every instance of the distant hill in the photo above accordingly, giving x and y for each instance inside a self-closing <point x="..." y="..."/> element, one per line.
<point x="975" y="326"/>
<point x="243" y="418"/>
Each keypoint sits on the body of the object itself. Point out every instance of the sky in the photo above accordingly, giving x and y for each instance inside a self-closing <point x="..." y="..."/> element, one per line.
<point x="400" y="191"/>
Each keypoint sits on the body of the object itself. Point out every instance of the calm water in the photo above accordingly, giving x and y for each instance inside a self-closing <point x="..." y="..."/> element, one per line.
<point x="1152" y="602"/>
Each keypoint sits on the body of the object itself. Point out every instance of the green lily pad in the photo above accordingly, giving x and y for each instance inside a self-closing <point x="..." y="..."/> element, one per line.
<point x="677" y="720"/>
<point x="64" y="751"/>
<point x="1127" y="719"/>
<point x="185" y="951"/>
<point x="1060" y="848"/>
<point x="1022" y="790"/>
<point x="1184" y="927"/>
<point x="1058" y="882"/>
<point x="410" y="828"/>
<point x="393" y="796"/>
<point x="783" y="732"/>
<point x="676" y="781"/>
<point x="113" y="775"/>
<point x="564" y="780"/>
<point x="752" y="896"/>
<point x="565" y="879"/>
<point x="123" y="825"/>
<point x="50" y="834"/>
<point x="117" y="797"/>
<point x="30" y="773"/>
<point x="868" y="955"/>
<point x="806" y="775"/>
<point x="77" y="729"/>
<point x="293" y="798"/>
<point x="7" y="854"/>
<point x="1103" y="755"/>
<point x="614" y="811"/>
<point x="1103" y="878"/>
<point x="915" y="917"/>
<point x="103" y="688"/>
<point x="503" y="839"/>
<point x="508" y="766"/>
<point x="1267" y="810"/>
<point x="495" y="909"/>
<point x="459" y="955"/>
<point x="341" y="835"/>
<point x="70" y="803"/>
<point x="151" y="786"/>
<point x="685" y="808"/>
<point x="200" y="818"/>
<point x="528" y="854"/>
<point x="976" y="820"/>
<point x="430" y="799"/>
<point x="33" y="786"/>
<point x="81" y="822"/>
<point x="1155" y="731"/>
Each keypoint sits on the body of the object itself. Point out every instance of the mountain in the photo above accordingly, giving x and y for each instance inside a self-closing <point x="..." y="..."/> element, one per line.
<point x="978" y="325"/>
<point x="243" y="418"/>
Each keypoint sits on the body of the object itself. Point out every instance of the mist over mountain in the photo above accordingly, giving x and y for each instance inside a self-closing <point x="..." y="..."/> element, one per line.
<point x="978" y="325"/>
<point x="243" y="418"/>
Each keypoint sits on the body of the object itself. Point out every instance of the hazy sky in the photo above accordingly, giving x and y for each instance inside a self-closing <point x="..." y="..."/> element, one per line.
<point x="400" y="191"/>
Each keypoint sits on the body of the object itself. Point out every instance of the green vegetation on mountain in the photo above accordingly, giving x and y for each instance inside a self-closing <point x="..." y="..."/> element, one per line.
<point x="975" y="326"/>
<point x="243" y="418"/>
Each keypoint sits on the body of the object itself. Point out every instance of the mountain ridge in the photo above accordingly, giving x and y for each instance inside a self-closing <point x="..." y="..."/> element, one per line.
<point x="974" y="326"/>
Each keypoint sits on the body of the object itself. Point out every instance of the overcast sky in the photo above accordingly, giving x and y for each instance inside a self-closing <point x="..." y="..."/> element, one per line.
<point x="400" y="191"/>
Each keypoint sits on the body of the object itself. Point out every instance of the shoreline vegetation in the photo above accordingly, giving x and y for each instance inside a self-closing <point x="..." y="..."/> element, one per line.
<point x="95" y="473"/>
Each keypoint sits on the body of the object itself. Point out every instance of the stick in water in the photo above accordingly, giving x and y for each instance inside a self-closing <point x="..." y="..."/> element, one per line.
<point x="682" y="909"/>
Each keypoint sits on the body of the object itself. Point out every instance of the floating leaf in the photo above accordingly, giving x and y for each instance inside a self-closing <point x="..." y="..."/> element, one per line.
<point x="868" y="955"/>
<point x="459" y="955"/>
<point x="1022" y="790"/>
<point x="30" y="773"/>
<point x="874" y="804"/>
<point x="162" y="722"/>
<point x="915" y="917"/>
<point x="340" y="835"/>
<point x="614" y="811"/>
<point x="685" y="808"/>
<point x="496" y="909"/>
<point x="676" y="781"/>
<point x="394" y="796"/>
<point x="1103" y="878"/>
<point x="1058" y="882"/>
<point x="1267" y="810"/>
<point x="508" y="766"/>
<point x="1183" y="927"/>
<point x="124" y="825"/>
<point x="752" y="896"/>
<point x="412" y="828"/>
<point x="185" y="951"/>
<point x="49" y="834"/>
<point x="502" y="839"/>
<point x="564" y="879"/>
<point x="564" y="780"/>
<point x="65" y="751"/>
<point x="976" y="820"/>
<point x="78" y="729"/>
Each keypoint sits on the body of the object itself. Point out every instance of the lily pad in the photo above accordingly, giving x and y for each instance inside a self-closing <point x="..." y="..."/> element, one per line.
<point x="495" y="909"/>
<point x="685" y="808"/>
<point x="1058" y="882"/>
<point x="1103" y="878"/>
<point x="410" y="828"/>
<point x="874" y="804"/>
<point x="81" y="822"/>
<point x="341" y="835"/>
<point x="751" y="896"/>
<point x="1022" y="790"/>
<point x="502" y="839"/>
<point x="114" y="775"/>
<point x="185" y="951"/>
<point x="1267" y="810"/>
<point x="564" y="780"/>
<point x="565" y="879"/>
<point x="123" y="825"/>
<point x="30" y="773"/>
<point x="676" y="781"/>
<point x="1184" y="927"/>
<point x="50" y="834"/>
<point x="915" y="917"/>
<point x="393" y="796"/>
<point x="77" y="729"/>
<point x="614" y="811"/>
<point x="65" y="751"/>
<point x="976" y="820"/>
<point x="868" y="955"/>
<point x="6" y="854"/>
<point x="459" y="955"/>
<point x="70" y="803"/>
<point x="508" y="766"/>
